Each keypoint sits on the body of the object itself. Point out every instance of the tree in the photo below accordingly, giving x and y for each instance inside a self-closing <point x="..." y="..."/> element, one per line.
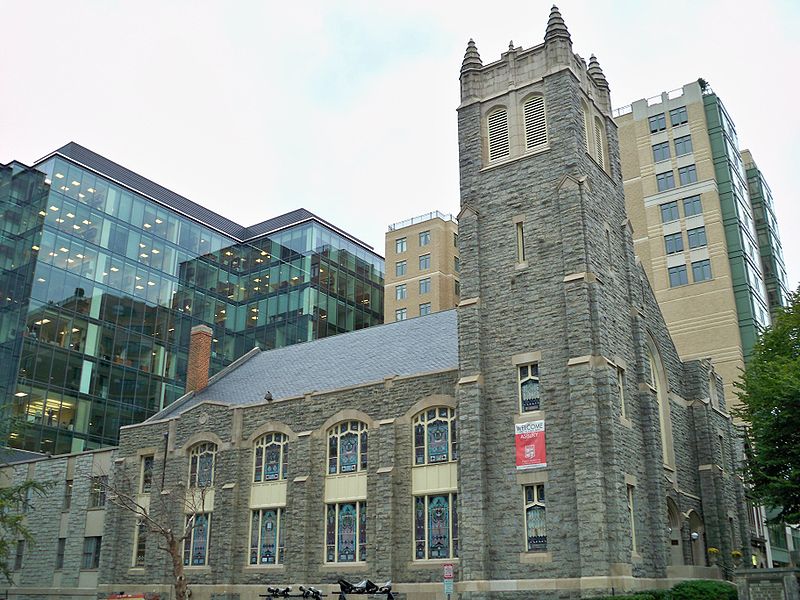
<point x="14" y="501"/>
<point x="770" y="395"/>
<point x="170" y="515"/>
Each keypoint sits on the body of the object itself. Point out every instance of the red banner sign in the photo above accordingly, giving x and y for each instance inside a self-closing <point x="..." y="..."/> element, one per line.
<point x="529" y="441"/>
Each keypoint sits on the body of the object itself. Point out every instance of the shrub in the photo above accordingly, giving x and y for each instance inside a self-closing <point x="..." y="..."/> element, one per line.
<point x="703" y="590"/>
<point x="638" y="596"/>
<point x="658" y="594"/>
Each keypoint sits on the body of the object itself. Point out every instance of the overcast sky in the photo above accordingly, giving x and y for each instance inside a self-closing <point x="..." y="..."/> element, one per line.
<point x="348" y="108"/>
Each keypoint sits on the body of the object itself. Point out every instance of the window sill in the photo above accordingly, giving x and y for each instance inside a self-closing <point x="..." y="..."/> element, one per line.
<point x="197" y="568"/>
<point x="431" y="563"/>
<point x="353" y="566"/>
<point x="136" y="570"/>
<point x="532" y="558"/>
<point x="260" y="568"/>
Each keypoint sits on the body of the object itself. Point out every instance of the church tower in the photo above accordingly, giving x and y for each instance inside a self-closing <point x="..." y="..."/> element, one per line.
<point x="554" y="339"/>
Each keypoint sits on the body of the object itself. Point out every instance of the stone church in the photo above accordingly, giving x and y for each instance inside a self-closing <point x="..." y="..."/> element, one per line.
<point x="543" y="438"/>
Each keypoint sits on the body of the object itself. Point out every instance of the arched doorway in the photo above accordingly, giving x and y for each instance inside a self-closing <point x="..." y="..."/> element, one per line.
<point x="675" y="551"/>
<point x="697" y="534"/>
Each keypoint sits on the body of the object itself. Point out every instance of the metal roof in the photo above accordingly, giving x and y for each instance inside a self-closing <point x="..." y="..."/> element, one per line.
<point x="413" y="347"/>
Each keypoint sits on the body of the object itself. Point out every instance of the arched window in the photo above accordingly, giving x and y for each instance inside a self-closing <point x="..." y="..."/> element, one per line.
<point x="435" y="439"/>
<point x="535" y="518"/>
<point x="599" y="136"/>
<point x="675" y="551"/>
<point x="659" y="386"/>
<point x="269" y="457"/>
<point x="535" y="123"/>
<point x="347" y="447"/>
<point x="497" y="123"/>
<point x="201" y="464"/>
<point x="586" y="142"/>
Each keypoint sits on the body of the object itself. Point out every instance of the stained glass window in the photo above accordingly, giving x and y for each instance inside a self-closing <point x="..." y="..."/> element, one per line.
<point x="201" y="465"/>
<point x="347" y="447"/>
<point x="435" y="436"/>
<point x="141" y="544"/>
<point x="269" y="457"/>
<point x="267" y="537"/>
<point x="346" y="532"/>
<point x="535" y="518"/>
<point x="435" y="527"/>
<point x="529" y="387"/>
<point x="195" y="546"/>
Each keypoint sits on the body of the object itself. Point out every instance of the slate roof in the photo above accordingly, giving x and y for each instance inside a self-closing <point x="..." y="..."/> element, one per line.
<point x="83" y="156"/>
<point x="9" y="456"/>
<point x="413" y="347"/>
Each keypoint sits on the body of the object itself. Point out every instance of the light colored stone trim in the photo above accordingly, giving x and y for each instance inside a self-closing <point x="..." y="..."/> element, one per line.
<point x="532" y="477"/>
<point x="383" y="470"/>
<point x="433" y="563"/>
<point x="386" y="421"/>
<point x="593" y="360"/>
<point x="533" y="558"/>
<point x="705" y="468"/>
<point x="303" y="434"/>
<point x="585" y="276"/>
<point x="626" y="422"/>
<point x="470" y="379"/>
<point x="469" y="302"/>
<point x="300" y="479"/>
<point x="228" y="486"/>
<point x="526" y="357"/>
<point x="270" y="427"/>
<point x="346" y="414"/>
<point x="534" y="415"/>
<point x="425" y="403"/>
<point x="688" y="495"/>
<point x="630" y="480"/>
<point x="203" y="436"/>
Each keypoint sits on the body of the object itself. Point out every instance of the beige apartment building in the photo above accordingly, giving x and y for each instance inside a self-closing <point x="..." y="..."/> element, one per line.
<point x="686" y="194"/>
<point x="422" y="267"/>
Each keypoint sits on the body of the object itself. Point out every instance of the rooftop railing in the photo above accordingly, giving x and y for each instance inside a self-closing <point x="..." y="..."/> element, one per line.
<point x="421" y="219"/>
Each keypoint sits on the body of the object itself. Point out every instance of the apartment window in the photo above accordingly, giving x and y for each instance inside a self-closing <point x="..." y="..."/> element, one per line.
<point x="692" y="206"/>
<point x="498" y="134"/>
<point x="270" y="457"/>
<point x="528" y="387"/>
<point x="456" y="264"/>
<point x="400" y="314"/>
<point x="400" y="245"/>
<point x="91" y="552"/>
<point x="201" y="464"/>
<point x="60" y="549"/>
<point x="346" y="532"/>
<point x="195" y="546"/>
<point x="665" y="181"/>
<point x="669" y="212"/>
<point x="657" y="123"/>
<point x="400" y="292"/>
<point x="267" y="540"/>
<point x="424" y="309"/>
<point x="140" y="544"/>
<point x="19" y="555"/>
<point x="425" y="285"/>
<point x="435" y="439"/>
<point x="424" y="238"/>
<point x="673" y="243"/>
<point x="697" y="237"/>
<point x="520" y="242"/>
<point x="400" y="268"/>
<point x="621" y="391"/>
<point x="687" y="174"/>
<point x="347" y="447"/>
<point x="457" y="287"/>
<point x="436" y="526"/>
<point x="678" y="116"/>
<point x="146" y="475"/>
<point x="661" y="151"/>
<point x="67" y="494"/>
<point x="97" y="498"/>
<point x="455" y="240"/>
<point x="683" y="145"/>
<point x="535" y="123"/>
<point x="424" y="262"/>
<point x="677" y="276"/>
<point x="701" y="270"/>
<point x="535" y="518"/>
<point x="631" y="517"/>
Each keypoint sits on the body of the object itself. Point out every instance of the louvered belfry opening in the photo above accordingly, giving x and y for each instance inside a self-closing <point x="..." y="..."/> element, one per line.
<point x="535" y="123"/>
<point x="498" y="135"/>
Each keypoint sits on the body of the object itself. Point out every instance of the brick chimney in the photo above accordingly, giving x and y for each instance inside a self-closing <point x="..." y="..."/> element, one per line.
<point x="199" y="358"/>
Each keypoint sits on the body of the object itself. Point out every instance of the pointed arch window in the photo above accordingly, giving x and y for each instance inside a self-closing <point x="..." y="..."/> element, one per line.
<point x="586" y="141"/>
<point x="497" y="124"/>
<point x="435" y="436"/>
<point x="201" y="464"/>
<point x="347" y="447"/>
<point x="659" y="386"/>
<point x="535" y="123"/>
<point x="270" y="453"/>
<point x="599" y="136"/>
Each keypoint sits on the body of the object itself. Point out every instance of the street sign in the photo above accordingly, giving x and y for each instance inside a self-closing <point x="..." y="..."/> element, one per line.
<point x="448" y="587"/>
<point x="447" y="571"/>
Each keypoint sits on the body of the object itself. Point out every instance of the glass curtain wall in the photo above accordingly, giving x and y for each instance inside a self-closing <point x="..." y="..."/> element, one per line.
<point x="114" y="283"/>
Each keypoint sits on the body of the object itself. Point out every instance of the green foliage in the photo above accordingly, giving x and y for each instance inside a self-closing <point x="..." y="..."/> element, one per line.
<point x="640" y="596"/>
<point x="658" y="594"/>
<point x="12" y="521"/>
<point x="703" y="589"/>
<point x="770" y="395"/>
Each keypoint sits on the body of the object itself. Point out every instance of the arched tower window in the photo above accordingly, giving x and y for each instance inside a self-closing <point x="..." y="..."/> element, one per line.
<point x="586" y="142"/>
<point x="497" y="125"/>
<point x="201" y="464"/>
<point x="658" y="384"/>
<point x="599" y="137"/>
<point x="347" y="447"/>
<point x="435" y="436"/>
<point x="535" y="123"/>
<point x="270" y="453"/>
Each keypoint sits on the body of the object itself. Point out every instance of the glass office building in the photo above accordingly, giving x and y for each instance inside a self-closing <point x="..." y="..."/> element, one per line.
<point x="104" y="274"/>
